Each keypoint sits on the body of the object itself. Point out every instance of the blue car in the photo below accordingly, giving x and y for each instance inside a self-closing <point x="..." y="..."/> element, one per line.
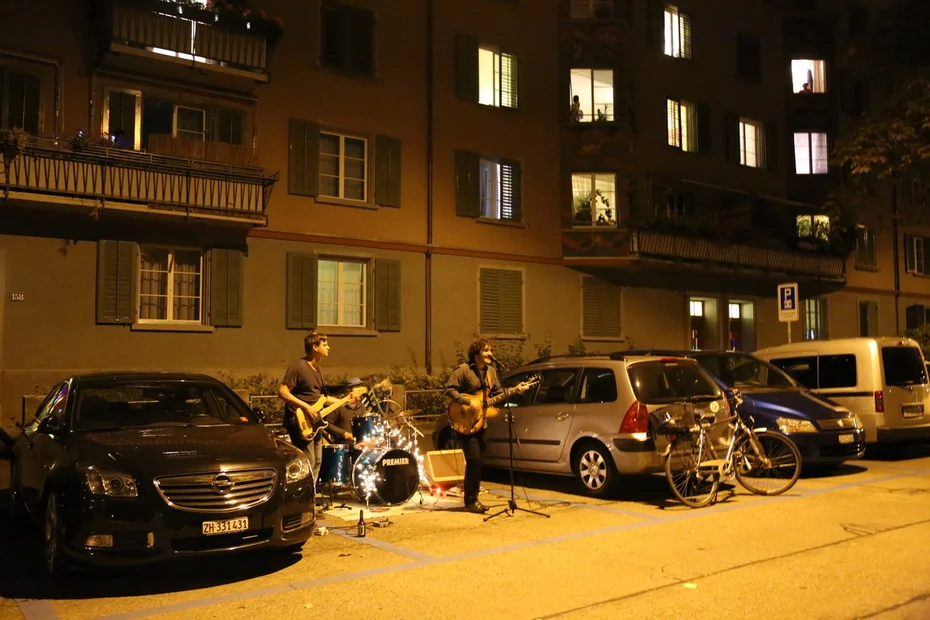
<point x="825" y="433"/>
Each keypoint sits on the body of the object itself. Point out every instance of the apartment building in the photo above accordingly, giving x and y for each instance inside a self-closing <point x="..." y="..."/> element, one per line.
<point x="201" y="186"/>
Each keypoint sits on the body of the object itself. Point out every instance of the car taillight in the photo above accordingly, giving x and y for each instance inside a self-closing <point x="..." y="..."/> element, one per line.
<point x="879" y="402"/>
<point x="636" y="419"/>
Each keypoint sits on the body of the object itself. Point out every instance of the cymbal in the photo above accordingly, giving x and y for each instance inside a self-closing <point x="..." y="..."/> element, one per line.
<point x="401" y="414"/>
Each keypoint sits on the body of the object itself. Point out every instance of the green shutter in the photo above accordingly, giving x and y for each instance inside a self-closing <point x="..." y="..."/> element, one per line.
<point x="704" y="128"/>
<point x="600" y="308"/>
<point x="387" y="171"/>
<point x="501" y="301"/>
<point x="731" y="136"/>
<point x="360" y="41"/>
<point x="387" y="295"/>
<point x="772" y="138"/>
<point x="511" y="191"/>
<point x="115" y="281"/>
<point x="303" y="163"/>
<point x="226" y="283"/>
<point x="301" y="291"/>
<point x="466" y="66"/>
<point x="467" y="184"/>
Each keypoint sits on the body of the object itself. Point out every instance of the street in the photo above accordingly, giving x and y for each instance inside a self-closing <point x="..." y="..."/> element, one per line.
<point x="849" y="543"/>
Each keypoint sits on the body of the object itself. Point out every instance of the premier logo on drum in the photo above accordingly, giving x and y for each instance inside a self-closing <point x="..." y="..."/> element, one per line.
<point x="394" y="462"/>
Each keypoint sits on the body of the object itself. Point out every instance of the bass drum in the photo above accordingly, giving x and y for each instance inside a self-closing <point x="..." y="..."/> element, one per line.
<point x="390" y="476"/>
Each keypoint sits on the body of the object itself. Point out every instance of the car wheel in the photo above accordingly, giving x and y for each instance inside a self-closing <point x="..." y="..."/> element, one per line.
<point x="594" y="469"/>
<point x="55" y="560"/>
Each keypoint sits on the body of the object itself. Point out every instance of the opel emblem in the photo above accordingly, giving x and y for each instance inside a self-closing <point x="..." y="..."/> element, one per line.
<point x="222" y="483"/>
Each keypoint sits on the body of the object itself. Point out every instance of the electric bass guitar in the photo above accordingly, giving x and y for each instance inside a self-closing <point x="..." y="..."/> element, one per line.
<point x="471" y="418"/>
<point x="315" y="425"/>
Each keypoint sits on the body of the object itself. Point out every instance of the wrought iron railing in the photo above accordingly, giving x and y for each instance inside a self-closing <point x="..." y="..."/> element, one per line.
<point x="664" y="245"/>
<point x="104" y="174"/>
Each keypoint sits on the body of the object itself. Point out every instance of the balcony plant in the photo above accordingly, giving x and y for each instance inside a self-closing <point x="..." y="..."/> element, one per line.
<point x="593" y="210"/>
<point x="13" y="143"/>
<point x="238" y="14"/>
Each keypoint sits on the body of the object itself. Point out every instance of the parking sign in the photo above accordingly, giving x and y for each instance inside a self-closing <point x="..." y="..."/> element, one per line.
<point x="788" y="302"/>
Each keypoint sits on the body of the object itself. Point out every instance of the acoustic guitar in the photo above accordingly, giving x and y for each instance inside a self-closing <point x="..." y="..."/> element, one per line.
<point x="313" y="427"/>
<point x="471" y="418"/>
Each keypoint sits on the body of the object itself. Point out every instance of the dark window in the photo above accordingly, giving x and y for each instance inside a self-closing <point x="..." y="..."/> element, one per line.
<point x="838" y="371"/>
<point x="801" y="369"/>
<point x="557" y="386"/>
<point x="903" y="366"/>
<point x="865" y="248"/>
<point x="668" y="382"/>
<point x="348" y="38"/>
<point x="20" y="104"/>
<point x="749" y="57"/>
<point x="744" y="371"/>
<point x="598" y="385"/>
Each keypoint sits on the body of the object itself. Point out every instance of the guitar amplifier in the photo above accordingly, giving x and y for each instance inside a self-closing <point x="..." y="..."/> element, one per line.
<point x="446" y="467"/>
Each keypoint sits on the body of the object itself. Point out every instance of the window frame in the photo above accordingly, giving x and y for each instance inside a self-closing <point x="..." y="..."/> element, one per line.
<point x="349" y="12"/>
<point x="872" y="330"/>
<point x="611" y="115"/>
<point x="169" y="303"/>
<point x="814" y="308"/>
<point x="497" y="78"/>
<point x="810" y="161"/>
<point x="367" y="304"/>
<point x="911" y="263"/>
<point x="867" y="258"/>
<point x="174" y="123"/>
<point x="366" y="182"/>
<point x="595" y="200"/>
<point x="105" y="124"/>
<point x="824" y="78"/>
<point x="759" y="129"/>
<point x="670" y="14"/>
<point x="686" y="138"/>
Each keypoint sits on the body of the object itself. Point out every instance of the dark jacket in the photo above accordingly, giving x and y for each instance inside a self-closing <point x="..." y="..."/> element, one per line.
<point x="467" y="379"/>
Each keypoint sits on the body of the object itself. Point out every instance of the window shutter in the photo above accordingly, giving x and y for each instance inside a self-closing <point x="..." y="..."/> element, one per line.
<point x="685" y="25"/>
<point x="115" y="281"/>
<point x="23" y="101"/>
<point x="303" y="164"/>
<point x="656" y="25"/>
<point x="704" y="128"/>
<point x="387" y="295"/>
<point x="301" y="291"/>
<point x="467" y="184"/>
<point x="361" y="41"/>
<point x="771" y="139"/>
<point x="387" y="171"/>
<point x="226" y="283"/>
<point x="501" y="301"/>
<point x="731" y="135"/>
<point x="915" y="316"/>
<point x="600" y="308"/>
<point x="510" y="81"/>
<point x="873" y="319"/>
<point x="511" y="191"/>
<point x="466" y="66"/>
<point x="909" y="254"/>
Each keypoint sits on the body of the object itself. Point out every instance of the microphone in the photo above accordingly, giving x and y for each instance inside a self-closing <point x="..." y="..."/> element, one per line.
<point x="494" y="359"/>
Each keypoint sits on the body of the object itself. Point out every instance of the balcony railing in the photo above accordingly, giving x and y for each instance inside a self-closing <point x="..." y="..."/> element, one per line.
<point x="160" y="28"/>
<point x="103" y="174"/>
<point x="670" y="246"/>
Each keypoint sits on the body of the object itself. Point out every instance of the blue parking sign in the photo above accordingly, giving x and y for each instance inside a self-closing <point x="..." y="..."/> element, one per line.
<point x="788" y="301"/>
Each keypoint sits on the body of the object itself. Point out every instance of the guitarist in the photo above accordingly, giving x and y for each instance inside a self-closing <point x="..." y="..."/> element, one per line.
<point x="301" y="388"/>
<point x="476" y="376"/>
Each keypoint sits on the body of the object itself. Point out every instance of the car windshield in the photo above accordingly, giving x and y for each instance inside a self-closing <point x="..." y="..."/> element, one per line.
<point x="903" y="366"/>
<point x="738" y="370"/>
<point x="155" y="404"/>
<point x="662" y="382"/>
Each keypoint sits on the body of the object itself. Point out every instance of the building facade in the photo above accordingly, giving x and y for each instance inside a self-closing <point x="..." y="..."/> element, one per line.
<point x="200" y="186"/>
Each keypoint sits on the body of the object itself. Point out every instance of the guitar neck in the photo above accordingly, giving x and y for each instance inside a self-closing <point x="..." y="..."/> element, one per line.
<point x="502" y="396"/>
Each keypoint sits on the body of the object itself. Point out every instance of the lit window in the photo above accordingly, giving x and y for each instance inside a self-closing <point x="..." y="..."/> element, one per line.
<point x="497" y="189"/>
<point x="814" y="226"/>
<point x="681" y="125"/>
<point x="750" y="143"/>
<point x="814" y="319"/>
<point x="734" y="311"/>
<point x="594" y="199"/>
<point x="170" y="285"/>
<point x="497" y="78"/>
<point x="343" y="167"/>
<point x="810" y="153"/>
<point x="595" y="91"/>
<point x="697" y="307"/>
<point x="808" y="76"/>
<point x="342" y="298"/>
<point x="677" y="33"/>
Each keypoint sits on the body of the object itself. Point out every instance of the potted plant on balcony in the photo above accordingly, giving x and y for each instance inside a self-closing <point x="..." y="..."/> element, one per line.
<point x="586" y="210"/>
<point x="12" y="143"/>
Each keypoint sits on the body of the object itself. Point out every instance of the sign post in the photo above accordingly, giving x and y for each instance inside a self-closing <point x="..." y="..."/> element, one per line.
<point x="788" y="310"/>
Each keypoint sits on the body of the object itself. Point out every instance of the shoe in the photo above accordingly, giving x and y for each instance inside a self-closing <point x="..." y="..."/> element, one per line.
<point x="477" y="508"/>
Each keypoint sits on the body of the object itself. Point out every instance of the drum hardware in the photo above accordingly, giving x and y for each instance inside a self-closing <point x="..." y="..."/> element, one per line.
<point x="401" y="414"/>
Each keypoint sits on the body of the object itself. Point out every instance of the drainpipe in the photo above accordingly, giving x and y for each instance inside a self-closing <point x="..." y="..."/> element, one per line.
<point x="429" y="185"/>
<point x="58" y="79"/>
<point x="896" y="258"/>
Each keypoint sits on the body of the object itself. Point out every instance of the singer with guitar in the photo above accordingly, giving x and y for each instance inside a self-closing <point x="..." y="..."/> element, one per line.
<point x="304" y="393"/>
<point x="474" y="378"/>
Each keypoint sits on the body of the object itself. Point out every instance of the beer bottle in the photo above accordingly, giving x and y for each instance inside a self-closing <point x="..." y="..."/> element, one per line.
<point x="361" y="524"/>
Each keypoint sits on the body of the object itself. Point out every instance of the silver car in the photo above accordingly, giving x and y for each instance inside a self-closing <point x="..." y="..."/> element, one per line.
<point x="589" y="416"/>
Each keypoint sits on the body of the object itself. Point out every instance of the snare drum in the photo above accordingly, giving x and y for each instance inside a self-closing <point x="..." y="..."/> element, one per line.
<point x="336" y="464"/>
<point x="392" y="476"/>
<point x="368" y="429"/>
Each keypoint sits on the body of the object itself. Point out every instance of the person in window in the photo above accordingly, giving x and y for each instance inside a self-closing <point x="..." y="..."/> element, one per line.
<point x="577" y="114"/>
<point x="475" y="380"/>
<point x="121" y="140"/>
<point x="806" y="89"/>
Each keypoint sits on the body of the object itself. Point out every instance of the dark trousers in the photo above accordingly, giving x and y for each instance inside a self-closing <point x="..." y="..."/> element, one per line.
<point x="473" y="448"/>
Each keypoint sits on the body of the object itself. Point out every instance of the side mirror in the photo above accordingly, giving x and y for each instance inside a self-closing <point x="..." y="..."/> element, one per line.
<point x="259" y="413"/>
<point x="49" y="425"/>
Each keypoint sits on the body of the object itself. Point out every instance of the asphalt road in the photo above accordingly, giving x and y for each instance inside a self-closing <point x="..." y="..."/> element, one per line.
<point x="852" y="543"/>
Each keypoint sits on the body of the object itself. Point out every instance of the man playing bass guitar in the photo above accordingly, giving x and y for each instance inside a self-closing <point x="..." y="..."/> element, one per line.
<point x="475" y="377"/>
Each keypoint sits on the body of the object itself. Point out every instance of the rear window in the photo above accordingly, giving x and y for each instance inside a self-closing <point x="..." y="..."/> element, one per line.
<point x="661" y="382"/>
<point x="825" y="371"/>
<point x="744" y="371"/>
<point x="903" y="366"/>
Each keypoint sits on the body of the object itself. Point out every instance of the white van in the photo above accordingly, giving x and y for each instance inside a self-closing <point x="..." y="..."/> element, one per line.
<point x="883" y="380"/>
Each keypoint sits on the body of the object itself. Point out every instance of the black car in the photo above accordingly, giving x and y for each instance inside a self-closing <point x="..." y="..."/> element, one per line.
<point x="132" y="468"/>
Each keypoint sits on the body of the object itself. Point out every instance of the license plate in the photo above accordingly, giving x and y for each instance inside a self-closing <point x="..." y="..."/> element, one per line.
<point x="848" y="438"/>
<point x="912" y="411"/>
<point x="229" y="526"/>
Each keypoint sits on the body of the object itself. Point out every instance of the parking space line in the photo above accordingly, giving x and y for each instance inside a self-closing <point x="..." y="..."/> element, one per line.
<point x="36" y="609"/>
<point x="386" y="546"/>
<point x="426" y="560"/>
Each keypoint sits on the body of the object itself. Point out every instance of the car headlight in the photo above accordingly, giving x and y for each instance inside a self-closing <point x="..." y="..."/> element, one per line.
<point x="858" y="420"/>
<point x="298" y="468"/>
<point x="794" y="425"/>
<point x="111" y="484"/>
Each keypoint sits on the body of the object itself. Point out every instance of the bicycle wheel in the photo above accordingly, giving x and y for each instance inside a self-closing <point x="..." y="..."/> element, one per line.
<point x="778" y="469"/>
<point x="682" y="472"/>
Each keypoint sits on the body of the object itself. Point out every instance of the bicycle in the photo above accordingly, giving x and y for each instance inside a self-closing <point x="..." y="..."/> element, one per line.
<point x="753" y="456"/>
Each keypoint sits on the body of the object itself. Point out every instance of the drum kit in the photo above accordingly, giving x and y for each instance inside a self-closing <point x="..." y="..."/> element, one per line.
<point x="381" y="465"/>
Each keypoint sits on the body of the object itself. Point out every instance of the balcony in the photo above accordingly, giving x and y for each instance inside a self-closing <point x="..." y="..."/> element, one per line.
<point x="225" y="43"/>
<point x="100" y="178"/>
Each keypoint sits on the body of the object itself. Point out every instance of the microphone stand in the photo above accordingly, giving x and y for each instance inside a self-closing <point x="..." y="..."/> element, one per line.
<point x="511" y="437"/>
